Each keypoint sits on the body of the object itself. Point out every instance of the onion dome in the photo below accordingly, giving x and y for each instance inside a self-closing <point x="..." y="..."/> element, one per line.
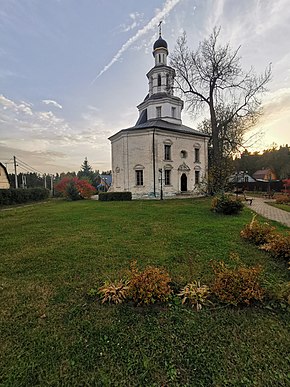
<point x="160" y="43"/>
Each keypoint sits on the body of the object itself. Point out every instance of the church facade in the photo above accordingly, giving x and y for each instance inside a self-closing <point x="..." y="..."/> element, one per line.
<point x="159" y="156"/>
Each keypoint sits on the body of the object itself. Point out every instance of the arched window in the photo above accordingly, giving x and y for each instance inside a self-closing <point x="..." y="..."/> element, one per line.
<point x="159" y="80"/>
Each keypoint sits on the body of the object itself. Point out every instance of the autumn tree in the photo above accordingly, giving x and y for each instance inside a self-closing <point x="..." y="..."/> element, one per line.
<point x="74" y="188"/>
<point x="211" y="79"/>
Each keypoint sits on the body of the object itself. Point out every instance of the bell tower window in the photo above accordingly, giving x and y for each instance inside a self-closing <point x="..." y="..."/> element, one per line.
<point x="158" y="111"/>
<point x="159" y="80"/>
<point x="173" y="112"/>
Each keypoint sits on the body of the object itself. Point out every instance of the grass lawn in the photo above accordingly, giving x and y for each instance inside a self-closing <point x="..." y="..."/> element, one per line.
<point x="53" y="334"/>
<point x="285" y="207"/>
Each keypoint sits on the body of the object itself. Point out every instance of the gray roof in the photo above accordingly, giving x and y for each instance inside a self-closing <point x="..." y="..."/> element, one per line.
<point x="161" y="124"/>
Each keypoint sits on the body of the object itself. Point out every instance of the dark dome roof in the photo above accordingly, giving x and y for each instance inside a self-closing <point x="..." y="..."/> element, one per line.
<point x="160" y="43"/>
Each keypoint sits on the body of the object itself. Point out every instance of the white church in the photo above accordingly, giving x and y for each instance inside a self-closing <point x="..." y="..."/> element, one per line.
<point x="159" y="156"/>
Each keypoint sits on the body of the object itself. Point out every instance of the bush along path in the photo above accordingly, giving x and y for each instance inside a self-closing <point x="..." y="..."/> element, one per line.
<point x="260" y="206"/>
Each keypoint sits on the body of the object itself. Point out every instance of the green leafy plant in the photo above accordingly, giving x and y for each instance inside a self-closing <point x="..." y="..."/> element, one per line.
<point x="226" y="205"/>
<point x="150" y="285"/>
<point x="239" y="285"/>
<point x="278" y="245"/>
<point x="256" y="232"/>
<point x="195" y="294"/>
<point x="114" y="292"/>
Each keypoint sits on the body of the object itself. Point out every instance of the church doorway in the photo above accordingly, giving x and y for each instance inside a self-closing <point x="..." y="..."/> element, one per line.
<point x="183" y="182"/>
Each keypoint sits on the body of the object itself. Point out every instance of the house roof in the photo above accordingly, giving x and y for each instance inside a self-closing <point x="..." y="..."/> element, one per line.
<point x="264" y="173"/>
<point x="5" y="171"/>
<point x="107" y="179"/>
<point x="161" y="124"/>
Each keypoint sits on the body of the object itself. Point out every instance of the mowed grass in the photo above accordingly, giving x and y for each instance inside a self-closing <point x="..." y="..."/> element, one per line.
<point x="53" y="334"/>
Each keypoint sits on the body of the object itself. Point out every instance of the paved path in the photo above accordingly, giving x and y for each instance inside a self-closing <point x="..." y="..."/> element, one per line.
<point x="260" y="206"/>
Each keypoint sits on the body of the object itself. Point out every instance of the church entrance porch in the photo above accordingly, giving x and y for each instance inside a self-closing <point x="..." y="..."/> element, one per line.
<point x="183" y="182"/>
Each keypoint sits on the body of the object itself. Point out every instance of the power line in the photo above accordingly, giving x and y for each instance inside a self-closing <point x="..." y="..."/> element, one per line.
<point x="29" y="166"/>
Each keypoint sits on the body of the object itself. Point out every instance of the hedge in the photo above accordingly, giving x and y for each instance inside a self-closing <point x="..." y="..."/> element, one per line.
<point x="19" y="196"/>
<point x="114" y="196"/>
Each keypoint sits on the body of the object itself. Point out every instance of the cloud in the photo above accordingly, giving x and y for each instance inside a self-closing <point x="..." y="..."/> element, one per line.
<point x="47" y="141"/>
<point x="168" y="6"/>
<point x="135" y="21"/>
<point x="51" y="102"/>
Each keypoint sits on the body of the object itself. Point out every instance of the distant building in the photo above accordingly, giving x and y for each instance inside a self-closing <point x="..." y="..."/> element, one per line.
<point x="159" y="151"/>
<point x="241" y="177"/>
<point x="4" y="178"/>
<point x="265" y="175"/>
<point x="105" y="182"/>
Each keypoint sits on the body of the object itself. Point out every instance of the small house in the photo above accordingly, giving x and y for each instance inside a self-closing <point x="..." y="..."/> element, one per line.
<point x="4" y="178"/>
<point x="267" y="174"/>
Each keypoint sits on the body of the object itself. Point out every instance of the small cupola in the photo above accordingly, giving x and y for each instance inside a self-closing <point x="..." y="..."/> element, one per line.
<point x="160" y="50"/>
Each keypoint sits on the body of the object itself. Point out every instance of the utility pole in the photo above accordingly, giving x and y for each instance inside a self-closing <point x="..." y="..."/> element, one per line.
<point x="51" y="184"/>
<point x="44" y="176"/>
<point x="15" y="172"/>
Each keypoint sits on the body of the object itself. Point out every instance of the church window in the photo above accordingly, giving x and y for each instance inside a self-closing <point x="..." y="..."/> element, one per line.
<point x="167" y="80"/>
<point x="196" y="155"/>
<point x="158" y="111"/>
<point x="183" y="154"/>
<point x="159" y="57"/>
<point x="139" y="177"/>
<point x="197" y="177"/>
<point x="173" y="112"/>
<point x="167" y="175"/>
<point x="159" y="80"/>
<point x="167" y="152"/>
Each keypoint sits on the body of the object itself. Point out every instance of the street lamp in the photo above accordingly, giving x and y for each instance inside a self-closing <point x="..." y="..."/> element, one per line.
<point x="161" y="188"/>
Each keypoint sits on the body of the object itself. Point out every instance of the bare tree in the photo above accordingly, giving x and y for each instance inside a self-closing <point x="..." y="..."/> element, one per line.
<point x="212" y="77"/>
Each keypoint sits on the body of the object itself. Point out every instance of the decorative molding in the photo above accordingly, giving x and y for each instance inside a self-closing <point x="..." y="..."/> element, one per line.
<point x="183" y="167"/>
<point x="167" y="142"/>
<point x="138" y="167"/>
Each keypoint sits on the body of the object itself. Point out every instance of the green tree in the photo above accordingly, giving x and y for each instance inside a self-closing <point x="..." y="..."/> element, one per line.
<point x="86" y="172"/>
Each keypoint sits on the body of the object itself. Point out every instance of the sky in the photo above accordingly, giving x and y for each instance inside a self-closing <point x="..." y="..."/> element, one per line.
<point x="72" y="72"/>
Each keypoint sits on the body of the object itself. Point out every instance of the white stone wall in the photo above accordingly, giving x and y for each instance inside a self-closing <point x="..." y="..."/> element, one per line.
<point x="134" y="150"/>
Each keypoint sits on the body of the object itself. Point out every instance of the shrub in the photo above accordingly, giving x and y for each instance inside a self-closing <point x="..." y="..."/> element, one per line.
<point x="278" y="245"/>
<point x="148" y="286"/>
<point x="75" y="188"/>
<point x="114" y="292"/>
<point x="237" y="285"/>
<point x="20" y="196"/>
<point x="282" y="199"/>
<point x="224" y="204"/>
<point x="115" y="196"/>
<point x="256" y="232"/>
<point x="195" y="294"/>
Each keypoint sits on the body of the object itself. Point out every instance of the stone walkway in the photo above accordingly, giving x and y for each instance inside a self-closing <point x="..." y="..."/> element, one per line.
<point x="261" y="207"/>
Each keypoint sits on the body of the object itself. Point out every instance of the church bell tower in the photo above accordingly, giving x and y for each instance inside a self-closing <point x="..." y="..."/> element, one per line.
<point x="160" y="103"/>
